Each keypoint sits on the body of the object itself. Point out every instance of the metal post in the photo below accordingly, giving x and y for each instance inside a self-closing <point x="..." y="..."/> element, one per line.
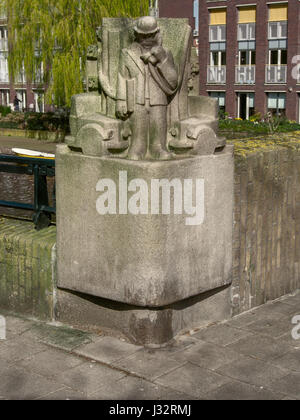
<point x="153" y="8"/>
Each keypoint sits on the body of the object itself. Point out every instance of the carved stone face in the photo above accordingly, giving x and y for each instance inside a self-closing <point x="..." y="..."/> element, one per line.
<point x="147" y="41"/>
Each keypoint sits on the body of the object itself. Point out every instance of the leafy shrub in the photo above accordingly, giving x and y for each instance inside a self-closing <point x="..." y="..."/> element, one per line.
<point x="5" y="110"/>
<point x="256" y="117"/>
<point x="222" y="114"/>
<point x="36" y="121"/>
<point x="232" y="127"/>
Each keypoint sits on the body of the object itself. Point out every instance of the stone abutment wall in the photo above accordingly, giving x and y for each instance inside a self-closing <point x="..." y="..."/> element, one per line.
<point x="266" y="238"/>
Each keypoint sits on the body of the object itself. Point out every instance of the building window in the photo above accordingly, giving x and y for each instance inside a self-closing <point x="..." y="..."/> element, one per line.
<point x="277" y="103"/>
<point x="217" y="33"/>
<point x="39" y="101"/>
<point x="277" y="30"/>
<point x="4" y="97"/>
<point x="196" y="17"/>
<point x="22" y="96"/>
<point x="220" y="96"/>
<point x="246" y="105"/>
<point x="276" y="70"/>
<point x="245" y="70"/>
<point x="278" y="17"/>
<point x="217" y="25"/>
<point x="247" y="23"/>
<point x="4" y="78"/>
<point x="218" y="58"/>
<point x="3" y="38"/>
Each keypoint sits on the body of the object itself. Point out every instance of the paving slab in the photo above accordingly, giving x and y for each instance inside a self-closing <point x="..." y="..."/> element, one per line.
<point x="252" y="356"/>
<point x="147" y="364"/>
<point x="252" y="371"/>
<point x="289" y="385"/>
<point x="62" y="394"/>
<point x="88" y="377"/>
<point x="274" y="328"/>
<point x="261" y="347"/>
<point x="288" y="339"/>
<point x="50" y="363"/>
<point x="207" y="355"/>
<point x="193" y="380"/>
<point x="19" y="348"/>
<point x="281" y="308"/>
<point x="240" y="391"/>
<point x="61" y="336"/>
<point x="289" y="361"/>
<point x="132" y="388"/>
<point x="107" y="349"/>
<point x="222" y="334"/>
<point x="18" y="384"/>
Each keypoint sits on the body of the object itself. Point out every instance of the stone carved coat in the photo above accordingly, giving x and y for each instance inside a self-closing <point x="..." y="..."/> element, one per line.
<point x="163" y="78"/>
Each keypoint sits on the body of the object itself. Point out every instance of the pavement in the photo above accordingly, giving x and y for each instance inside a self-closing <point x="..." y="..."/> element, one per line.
<point x="253" y="356"/>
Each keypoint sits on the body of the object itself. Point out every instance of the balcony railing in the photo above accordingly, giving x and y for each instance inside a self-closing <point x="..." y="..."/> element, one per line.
<point x="38" y="77"/>
<point x="245" y="75"/>
<point x="216" y="74"/>
<point x="3" y="44"/>
<point x="21" y="78"/>
<point x="276" y="74"/>
<point x="4" y="78"/>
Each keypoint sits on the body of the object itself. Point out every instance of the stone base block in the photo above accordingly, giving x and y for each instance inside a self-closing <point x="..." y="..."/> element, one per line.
<point x="144" y="233"/>
<point x="143" y="325"/>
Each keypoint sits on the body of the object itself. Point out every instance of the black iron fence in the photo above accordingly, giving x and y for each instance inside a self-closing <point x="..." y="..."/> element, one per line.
<point x="40" y="169"/>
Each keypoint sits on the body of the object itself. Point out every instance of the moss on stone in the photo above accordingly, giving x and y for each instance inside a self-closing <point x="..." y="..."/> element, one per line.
<point x="244" y="147"/>
<point x="26" y="283"/>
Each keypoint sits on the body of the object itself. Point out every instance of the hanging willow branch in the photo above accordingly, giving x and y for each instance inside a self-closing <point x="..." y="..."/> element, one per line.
<point x="57" y="34"/>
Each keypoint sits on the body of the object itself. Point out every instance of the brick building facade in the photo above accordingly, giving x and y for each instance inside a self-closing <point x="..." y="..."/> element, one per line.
<point x="30" y="95"/>
<point x="249" y="53"/>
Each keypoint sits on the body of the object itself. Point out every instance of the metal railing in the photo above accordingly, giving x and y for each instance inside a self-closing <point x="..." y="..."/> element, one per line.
<point x="276" y="73"/>
<point x="4" y="77"/>
<point x="40" y="169"/>
<point x="245" y="75"/>
<point x="216" y="74"/>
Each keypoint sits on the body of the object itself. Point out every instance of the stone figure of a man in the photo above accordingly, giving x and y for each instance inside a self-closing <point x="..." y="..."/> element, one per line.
<point x="147" y="80"/>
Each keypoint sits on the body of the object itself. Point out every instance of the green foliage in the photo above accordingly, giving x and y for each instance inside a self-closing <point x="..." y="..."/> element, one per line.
<point x="36" y="121"/>
<point x="256" y="117"/>
<point x="222" y="114"/>
<point x="57" y="34"/>
<point x="241" y="128"/>
<point x="5" y="110"/>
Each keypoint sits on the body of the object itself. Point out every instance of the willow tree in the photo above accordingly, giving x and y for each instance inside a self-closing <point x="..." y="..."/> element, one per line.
<point x="55" y="34"/>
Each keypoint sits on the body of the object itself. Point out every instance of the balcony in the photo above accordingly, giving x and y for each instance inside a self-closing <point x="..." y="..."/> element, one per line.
<point x="276" y="74"/>
<point x="4" y="78"/>
<point x="21" y="78"/>
<point x="216" y="75"/>
<point x="245" y="75"/>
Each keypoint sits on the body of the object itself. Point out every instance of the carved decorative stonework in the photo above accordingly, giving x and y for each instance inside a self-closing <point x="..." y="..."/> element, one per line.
<point x="145" y="74"/>
<point x="144" y="189"/>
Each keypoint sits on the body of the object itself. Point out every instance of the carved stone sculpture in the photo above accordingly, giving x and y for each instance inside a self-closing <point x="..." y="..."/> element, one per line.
<point x="144" y="190"/>
<point x="141" y="110"/>
<point x="147" y="80"/>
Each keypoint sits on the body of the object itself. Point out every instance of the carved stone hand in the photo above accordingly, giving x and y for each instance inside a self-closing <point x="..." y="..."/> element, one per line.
<point x="121" y="110"/>
<point x="159" y="53"/>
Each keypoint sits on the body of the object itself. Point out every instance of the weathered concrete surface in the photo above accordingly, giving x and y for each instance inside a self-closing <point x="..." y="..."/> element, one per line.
<point x="253" y="357"/>
<point x="26" y="268"/>
<point x="142" y="325"/>
<point x="138" y="259"/>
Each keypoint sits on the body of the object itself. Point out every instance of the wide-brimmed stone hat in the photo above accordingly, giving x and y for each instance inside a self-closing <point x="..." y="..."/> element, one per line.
<point x="146" y="25"/>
